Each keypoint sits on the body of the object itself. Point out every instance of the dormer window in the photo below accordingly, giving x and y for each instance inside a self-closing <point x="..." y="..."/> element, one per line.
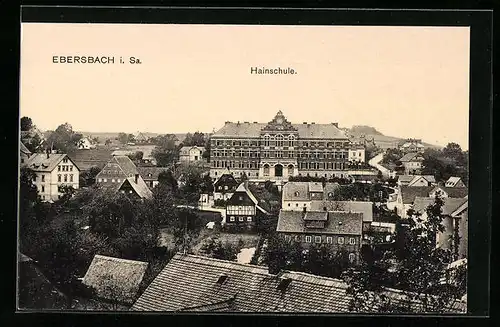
<point x="296" y="193"/>
<point x="284" y="283"/>
<point x="222" y="279"/>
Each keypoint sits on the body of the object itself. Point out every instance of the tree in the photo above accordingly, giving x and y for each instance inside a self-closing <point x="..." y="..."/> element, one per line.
<point x="185" y="226"/>
<point x="26" y="124"/>
<point x="416" y="266"/>
<point x="123" y="138"/>
<point x="64" y="139"/>
<point x="191" y="184"/>
<point x="207" y="185"/>
<point x="107" y="142"/>
<point x="196" y="139"/>
<point x="167" y="178"/>
<point x="87" y="178"/>
<point x="136" y="156"/>
<point x="166" y="152"/>
<point x="33" y="143"/>
<point x="213" y="247"/>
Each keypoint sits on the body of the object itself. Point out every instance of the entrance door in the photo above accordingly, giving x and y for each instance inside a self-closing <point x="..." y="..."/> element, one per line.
<point x="278" y="171"/>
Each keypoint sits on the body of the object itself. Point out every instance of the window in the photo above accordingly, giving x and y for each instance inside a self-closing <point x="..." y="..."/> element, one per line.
<point x="249" y="218"/>
<point x="130" y="191"/>
<point x="112" y="180"/>
<point x="297" y="238"/>
<point x="65" y="178"/>
<point x="100" y="180"/>
<point x="58" y="168"/>
<point x="288" y="238"/>
<point x="65" y="160"/>
<point x="352" y="240"/>
<point x="59" y="178"/>
<point x="43" y="188"/>
<point x="308" y="239"/>
<point x="43" y="178"/>
<point x="241" y="198"/>
<point x="329" y="240"/>
<point x="70" y="168"/>
<point x="352" y="257"/>
<point x="296" y="193"/>
<point x="296" y="204"/>
<point x="289" y="204"/>
<point x="71" y="177"/>
<point x="240" y="218"/>
<point x="231" y="218"/>
<point x="317" y="239"/>
<point x="340" y="240"/>
<point x="105" y="180"/>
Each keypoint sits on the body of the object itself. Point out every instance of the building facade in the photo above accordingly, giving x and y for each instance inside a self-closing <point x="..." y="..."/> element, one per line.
<point x="280" y="149"/>
<point x="52" y="172"/>
<point x="191" y="154"/>
<point x="412" y="163"/>
<point x="242" y="208"/>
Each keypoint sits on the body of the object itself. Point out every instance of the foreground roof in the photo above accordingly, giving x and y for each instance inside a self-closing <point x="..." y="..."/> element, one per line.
<point x="410" y="192"/>
<point x="195" y="283"/>
<point x="44" y="162"/>
<point x="450" y="205"/>
<point x="150" y="173"/>
<point x="114" y="278"/>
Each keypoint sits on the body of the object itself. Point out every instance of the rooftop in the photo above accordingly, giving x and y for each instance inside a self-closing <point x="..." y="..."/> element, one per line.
<point x="45" y="162"/>
<point x="115" y="278"/>
<point x="195" y="283"/>
<point x="336" y="222"/>
<point x="364" y="207"/>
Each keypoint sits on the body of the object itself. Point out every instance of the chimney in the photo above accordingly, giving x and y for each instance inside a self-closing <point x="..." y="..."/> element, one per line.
<point x="136" y="178"/>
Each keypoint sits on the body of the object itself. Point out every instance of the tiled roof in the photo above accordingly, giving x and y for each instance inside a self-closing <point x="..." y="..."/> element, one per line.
<point x="339" y="223"/>
<point x="316" y="215"/>
<point x="330" y="188"/>
<point x="226" y="180"/>
<point x="365" y="207"/>
<point x="410" y="192"/>
<point x="311" y="131"/>
<point x="23" y="148"/>
<point x="315" y="187"/>
<point x="194" y="283"/>
<point x="243" y="188"/>
<point x="40" y="162"/>
<point x="185" y="149"/>
<point x="427" y="178"/>
<point x="452" y="181"/>
<point x="126" y="165"/>
<point x="150" y="173"/>
<point x="141" y="188"/>
<point x="114" y="278"/>
<point x="454" y="192"/>
<point x="412" y="156"/>
<point x="405" y="178"/>
<point x="295" y="191"/>
<point x="450" y="205"/>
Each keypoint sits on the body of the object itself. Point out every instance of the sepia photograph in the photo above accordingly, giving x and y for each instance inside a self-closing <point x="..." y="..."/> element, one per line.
<point x="222" y="168"/>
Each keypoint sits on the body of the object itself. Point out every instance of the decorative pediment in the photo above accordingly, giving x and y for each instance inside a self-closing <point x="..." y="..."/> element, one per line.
<point x="279" y="123"/>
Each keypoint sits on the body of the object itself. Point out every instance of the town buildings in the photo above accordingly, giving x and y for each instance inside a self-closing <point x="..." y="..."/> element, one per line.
<point x="455" y="222"/>
<point x="85" y="143"/>
<point x="412" y="163"/>
<point x="339" y="230"/>
<point x="53" y="171"/>
<point x="150" y="174"/>
<point x="279" y="149"/>
<point x="225" y="186"/>
<point x="412" y="145"/>
<point x="242" y="208"/>
<point x="416" y="180"/>
<point x="454" y="182"/>
<point x="191" y="154"/>
<point x="121" y="175"/>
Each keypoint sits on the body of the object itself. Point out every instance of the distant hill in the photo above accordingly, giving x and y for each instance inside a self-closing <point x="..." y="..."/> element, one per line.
<point x="363" y="129"/>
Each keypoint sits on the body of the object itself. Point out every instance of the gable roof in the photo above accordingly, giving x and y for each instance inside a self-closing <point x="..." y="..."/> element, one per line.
<point x="226" y="179"/>
<point x="126" y="164"/>
<point x="412" y="156"/>
<point x="405" y="178"/>
<point x="364" y="207"/>
<point x="450" y="205"/>
<point x="40" y="162"/>
<point x="295" y="191"/>
<point x="150" y="173"/>
<point x="243" y="188"/>
<point x="190" y="283"/>
<point x="23" y="149"/>
<point x="114" y="278"/>
<point x="337" y="223"/>
<point x="409" y="193"/>
<point x="189" y="147"/>
<point x="427" y="178"/>
<point x="452" y="181"/>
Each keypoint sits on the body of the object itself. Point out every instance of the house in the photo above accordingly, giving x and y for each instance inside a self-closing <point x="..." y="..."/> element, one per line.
<point x="412" y="145"/>
<point x="455" y="222"/>
<point x="422" y="180"/>
<point x="363" y="207"/>
<point x="52" y="172"/>
<point x="115" y="279"/>
<point x="85" y="143"/>
<point x="25" y="154"/>
<point x="452" y="192"/>
<point x="404" y="180"/>
<point x="141" y="138"/>
<point x="224" y="186"/>
<point x="35" y="291"/>
<point x="412" y="163"/>
<point x="454" y="182"/>
<point x="191" y="154"/>
<point x="406" y="196"/>
<point x="150" y="174"/>
<point x="242" y="208"/>
<point x="339" y="230"/>
<point x="190" y="283"/>
<point x="121" y="175"/>
<point x="298" y="195"/>
<point x="356" y="153"/>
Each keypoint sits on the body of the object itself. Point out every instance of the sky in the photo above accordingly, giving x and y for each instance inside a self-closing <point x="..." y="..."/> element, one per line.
<point x="404" y="81"/>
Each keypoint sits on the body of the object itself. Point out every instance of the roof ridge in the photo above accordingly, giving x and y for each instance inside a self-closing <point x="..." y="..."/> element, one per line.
<point x="301" y="273"/>
<point x="180" y="256"/>
<point x="105" y="257"/>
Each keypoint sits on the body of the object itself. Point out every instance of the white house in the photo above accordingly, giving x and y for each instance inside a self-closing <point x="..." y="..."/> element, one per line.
<point x="53" y="170"/>
<point x="191" y="154"/>
<point x="454" y="182"/>
<point x="85" y="144"/>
